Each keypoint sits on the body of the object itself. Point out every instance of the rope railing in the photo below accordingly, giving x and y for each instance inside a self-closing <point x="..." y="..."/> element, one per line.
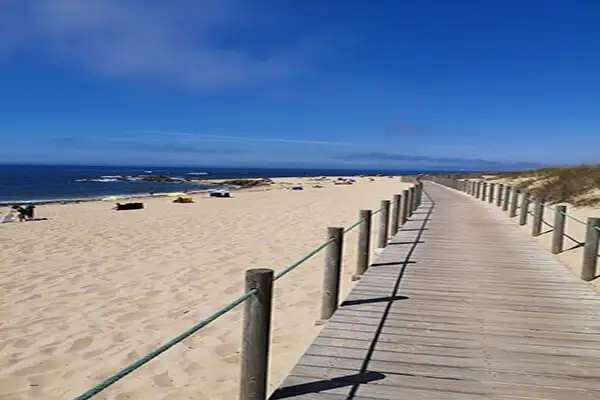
<point x="567" y="215"/>
<point x="354" y="225"/>
<point x="295" y="265"/>
<point x="248" y="294"/>
<point x="485" y="191"/>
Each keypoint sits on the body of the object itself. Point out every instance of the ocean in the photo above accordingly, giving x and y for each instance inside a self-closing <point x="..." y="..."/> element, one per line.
<point x="22" y="183"/>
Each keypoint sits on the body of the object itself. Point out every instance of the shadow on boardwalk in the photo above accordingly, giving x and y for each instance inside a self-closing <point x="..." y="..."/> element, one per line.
<point x="460" y="305"/>
<point x="416" y="225"/>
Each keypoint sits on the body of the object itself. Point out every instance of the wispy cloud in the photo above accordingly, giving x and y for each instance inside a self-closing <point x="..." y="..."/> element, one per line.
<point x="186" y="41"/>
<point x="134" y="146"/>
<point x="202" y="137"/>
<point x="383" y="157"/>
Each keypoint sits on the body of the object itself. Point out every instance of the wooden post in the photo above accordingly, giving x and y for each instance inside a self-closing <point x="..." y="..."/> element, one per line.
<point x="416" y="199"/>
<point x="332" y="273"/>
<point x="524" y="208"/>
<point x="419" y="194"/>
<point x="499" y="193"/>
<point x="396" y="211"/>
<point x="384" y="222"/>
<point x="513" y="202"/>
<point x="364" y="244"/>
<point x="590" y="250"/>
<point x="506" y="198"/>
<point x="411" y="205"/>
<point x="538" y="217"/>
<point x="491" y="193"/>
<point x="559" y="229"/>
<point x="484" y="191"/>
<point x="404" y="208"/>
<point x="256" y="335"/>
<point x="478" y="190"/>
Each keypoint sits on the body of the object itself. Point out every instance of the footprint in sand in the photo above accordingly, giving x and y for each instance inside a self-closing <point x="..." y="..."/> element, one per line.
<point x="228" y="352"/>
<point x="132" y="316"/>
<point x="80" y="344"/>
<point x="23" y="343"/>
<point x="40" y="368"/>
<point x="163" y="380"/>
<point x="232" y="290"/>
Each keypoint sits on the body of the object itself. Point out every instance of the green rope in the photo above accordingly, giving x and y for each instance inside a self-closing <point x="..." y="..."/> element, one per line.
<point x="573" y="218"/>
<point x="318" y="249"/>
<point x="566" y="215"/>
<point x="155" y="353"/>
<point x="303" y="259"/>
<point x="354" y="225"/>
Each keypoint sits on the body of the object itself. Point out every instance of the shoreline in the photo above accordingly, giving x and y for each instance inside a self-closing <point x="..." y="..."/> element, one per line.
<point x="116" y="197"/>
<point x="218" y="183"/>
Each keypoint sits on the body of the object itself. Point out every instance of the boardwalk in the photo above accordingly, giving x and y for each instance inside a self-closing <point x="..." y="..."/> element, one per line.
<point x="460" y="305"/>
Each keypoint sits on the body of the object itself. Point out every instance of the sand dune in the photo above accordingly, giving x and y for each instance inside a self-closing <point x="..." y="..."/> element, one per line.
<point x="91" y="289"/>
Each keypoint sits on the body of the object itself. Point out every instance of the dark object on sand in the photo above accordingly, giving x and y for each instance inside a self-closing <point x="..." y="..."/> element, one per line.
<point x="129" y="206"/>
<point x="219" y="193"/>
<point x="28" y="210"/>
<point x="24" y="213"/>
<point x="184" y="199"/>
<point x="297" y="187"/>
<point x="245" y="183"/>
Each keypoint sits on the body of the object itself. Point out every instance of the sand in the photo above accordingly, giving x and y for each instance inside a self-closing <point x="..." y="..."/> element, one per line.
<point x="91" y="289"/>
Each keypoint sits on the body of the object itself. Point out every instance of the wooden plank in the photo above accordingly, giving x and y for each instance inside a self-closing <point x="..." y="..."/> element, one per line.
<point x="416" y="337"/>
<point x="469" y="325"/>
<point x="478" y="382"/>
<point x="459" y="306"/>
<point x="406" y="344"/>
<point x="500" y="318"/>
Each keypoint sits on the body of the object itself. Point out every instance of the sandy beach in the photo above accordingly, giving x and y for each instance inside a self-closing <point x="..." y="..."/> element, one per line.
<point x="90" y="290"/>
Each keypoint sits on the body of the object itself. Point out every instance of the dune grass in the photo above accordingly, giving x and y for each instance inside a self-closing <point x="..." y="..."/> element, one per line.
<point x="577" y="185"/>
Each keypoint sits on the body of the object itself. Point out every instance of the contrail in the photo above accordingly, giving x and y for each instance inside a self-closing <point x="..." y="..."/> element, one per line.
<point x="239" y="138"/>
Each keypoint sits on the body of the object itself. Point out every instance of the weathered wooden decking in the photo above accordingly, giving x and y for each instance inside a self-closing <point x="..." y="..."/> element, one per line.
<point x="460" y="305"/>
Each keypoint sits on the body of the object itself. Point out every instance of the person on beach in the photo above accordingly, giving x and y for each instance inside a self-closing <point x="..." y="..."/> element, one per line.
<point x="24" y="213"/>
<point x="21" y="214"/>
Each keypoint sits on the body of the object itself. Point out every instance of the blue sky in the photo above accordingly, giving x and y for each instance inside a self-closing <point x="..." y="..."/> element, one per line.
<point x="350" y="83"/>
